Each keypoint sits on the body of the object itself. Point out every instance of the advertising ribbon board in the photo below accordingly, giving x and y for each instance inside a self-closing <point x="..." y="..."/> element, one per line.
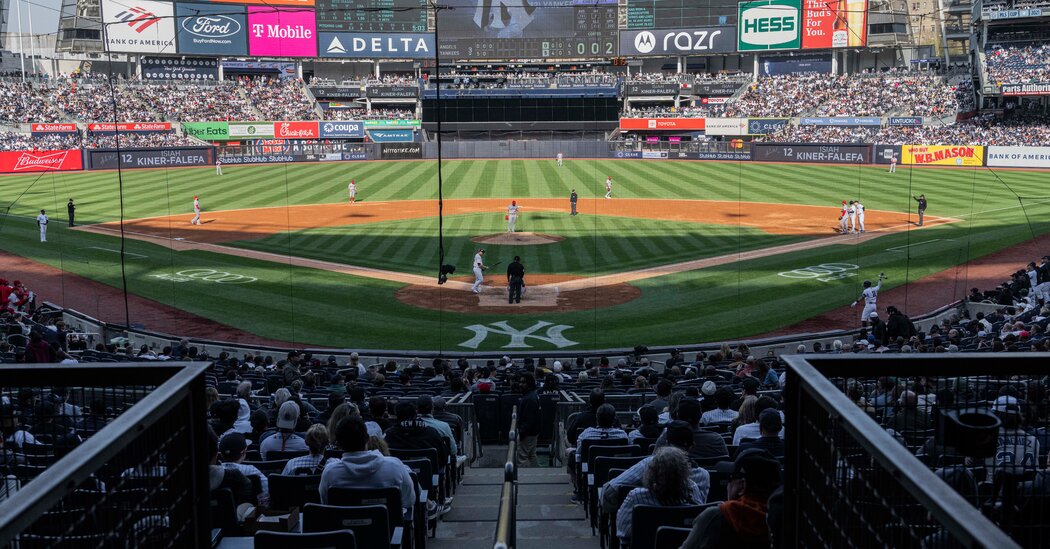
<point x="138" y="26"/>
<point x="401" y="151"/>
<point x="655" y="88"/>
<point x="208" y="131"/>
<point x="40" y="161"/>
<point x="1019" y="157"/>
<point x="765" y="126"/>
<point x="131" y="127"/>
<point x="816" y="153"/>
<point x="942" y="155"/>
<point x="662" y="124"/>
<point x="679" y="41"/>
<point x="1036" y="88"/>
<point x="398" y="123"/>
<point x="377" y="45"/>
<point x="842" y="121"/>
<point x="296" y="130"/>
<point x="345" y="129"/>
<point x="108" y="159"/>
<point x="905" y="121"/>
<point x="726" y="126"/>
<point x="52" y="128"/>
<point x="251" y="130"/>
<point x="281" y="32"/>
<point x="391" y="136"/>
<point x="392" y="92"/>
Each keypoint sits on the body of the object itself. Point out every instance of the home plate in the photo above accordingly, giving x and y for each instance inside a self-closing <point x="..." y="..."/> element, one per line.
<point x="539" y="296"/>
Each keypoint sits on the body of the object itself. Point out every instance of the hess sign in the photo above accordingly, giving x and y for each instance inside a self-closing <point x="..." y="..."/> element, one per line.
<point x="769" y="25"/>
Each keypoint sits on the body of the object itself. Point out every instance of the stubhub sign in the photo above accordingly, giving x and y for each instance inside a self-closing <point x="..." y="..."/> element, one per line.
<point x="769" y="25"/>
<point x="388" y="45"/>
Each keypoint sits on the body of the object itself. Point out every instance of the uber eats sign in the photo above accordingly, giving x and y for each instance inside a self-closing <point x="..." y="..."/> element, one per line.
<point x="769" y="25"/>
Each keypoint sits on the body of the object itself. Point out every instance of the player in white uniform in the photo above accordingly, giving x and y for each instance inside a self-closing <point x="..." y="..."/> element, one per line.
<point x="512" y="215"/>
<point x="196" y="212"/>
<point x="843" y="218"/>
<point x="870" y="296"/>
<point x="608" y="187"/>
<point x="351" y="189"/>
<point x="218" y="166"/>
<point x="560" y="157"/>
<point x="860" y="215"/>
<point x="893" y="164"/>
<point x="42" y="221"/>
<point x="479" y="268"/>
<point x="852" y="216"/>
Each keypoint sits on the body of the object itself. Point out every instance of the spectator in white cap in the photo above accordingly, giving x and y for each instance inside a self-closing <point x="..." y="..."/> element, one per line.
<point x="285" y="439"/>
<point x="1017" y="451"/>
<point x="723" y="413"/>
<point x="557" y="369"/>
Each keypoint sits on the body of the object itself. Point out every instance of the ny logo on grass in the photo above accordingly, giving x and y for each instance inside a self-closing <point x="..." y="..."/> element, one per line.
<point x="517" y="337"/>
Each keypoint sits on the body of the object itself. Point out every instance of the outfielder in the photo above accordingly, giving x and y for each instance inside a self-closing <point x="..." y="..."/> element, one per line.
<point x="479" y="268"/>
<point x="512" y="215"/>
<point x="42" y="221"/>
<point x="893" y="163"/>
<point x="844" y="218"/>
<point x="860" y="215"/>
<point x="196" y="212"/>
<point x="559" y="159"/>
<point x="218" y="166"/>
<point x="351" y="189"/>
<point x="852" y="216"/>
<point x="608" y="187"/>
<point x="870" y="296"/>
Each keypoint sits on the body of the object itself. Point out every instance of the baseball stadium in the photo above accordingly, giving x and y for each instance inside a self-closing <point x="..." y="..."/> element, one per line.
<point x="501" y="273"/>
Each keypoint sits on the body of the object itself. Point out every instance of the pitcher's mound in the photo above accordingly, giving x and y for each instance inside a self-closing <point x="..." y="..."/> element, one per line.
<point x="517" y="239"/>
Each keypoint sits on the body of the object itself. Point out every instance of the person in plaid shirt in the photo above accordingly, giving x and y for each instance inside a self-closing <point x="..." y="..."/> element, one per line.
<point x="317" y="440"/>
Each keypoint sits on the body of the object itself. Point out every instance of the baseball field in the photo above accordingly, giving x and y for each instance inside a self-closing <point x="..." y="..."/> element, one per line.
<point x="684" y="252"/>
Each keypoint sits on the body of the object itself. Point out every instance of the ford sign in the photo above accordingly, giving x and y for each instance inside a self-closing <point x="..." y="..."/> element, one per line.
<point x="211" y="26"/>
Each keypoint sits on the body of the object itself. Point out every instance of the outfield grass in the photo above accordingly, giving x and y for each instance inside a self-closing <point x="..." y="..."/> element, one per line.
<point x="323" y="308"/>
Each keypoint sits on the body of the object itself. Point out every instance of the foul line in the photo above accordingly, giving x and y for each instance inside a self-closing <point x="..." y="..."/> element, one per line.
<point x="136" y="256"/>
<point x="906" y="246"/>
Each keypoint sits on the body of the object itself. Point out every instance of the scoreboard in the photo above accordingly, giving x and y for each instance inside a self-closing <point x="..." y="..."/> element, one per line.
<point x="494" y="29"/>
<point x="371" y="15"/>
<point x="670" y="14"/>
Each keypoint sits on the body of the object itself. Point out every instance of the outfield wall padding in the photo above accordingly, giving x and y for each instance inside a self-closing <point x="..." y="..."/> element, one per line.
<point x="177" y="157"/>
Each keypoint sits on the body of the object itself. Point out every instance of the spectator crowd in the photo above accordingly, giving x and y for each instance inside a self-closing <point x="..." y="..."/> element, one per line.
<point x="1018" y="63"/>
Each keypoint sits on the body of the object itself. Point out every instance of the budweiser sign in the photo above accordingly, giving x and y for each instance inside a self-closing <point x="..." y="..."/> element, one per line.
<point x="40" y="161"/>
<point x="53" y="128"/>
<point x="295" y="130"/>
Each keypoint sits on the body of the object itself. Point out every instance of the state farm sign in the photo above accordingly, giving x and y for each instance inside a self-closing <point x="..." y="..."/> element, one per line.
<point x="662" y="124"/>
<point x="40" y="161"/>
<point x="53" y="128"/>
<point x="109" y="127"/>
<point x="296" y="130"/>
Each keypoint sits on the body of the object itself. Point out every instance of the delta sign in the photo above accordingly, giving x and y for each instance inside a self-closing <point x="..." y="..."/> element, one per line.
<point x="766" y="25"/>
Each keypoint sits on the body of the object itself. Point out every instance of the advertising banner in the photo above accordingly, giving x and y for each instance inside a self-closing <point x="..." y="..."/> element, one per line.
<point x="688" y="41"/>
<point x="401" y="151"/>
<point x="396" y="123"/>
<point x="717" y="89"/>
<point x="806" y="152"/>
<point x="211" y="29"/>
<point x="666" y="124"/>
<point x="1011" y="14"/>
<point x="355" y="156"/>
<point x="179" y="68"/>
<point x="40" y="161"/>
<point x="299" y="3"/>
<point x="711" y="155"/>
<point x="884" y="154"/>
<point x="251" y="130"/>
<point x="140" y="127"/>
<point x="764" y="25"/>
<point x="388" y="45"/>
<point x="391" y="136"/>
<point x="635" y="89"/>
<point x="841" y="121"/>
<point x="392" y="92"/>
<point x="266" y="158"/>
<point x="905" y="121"/>
<point x="208" y="131"/>
<point x="840" y="24"/>
<point x="654" y="154"/>
<point x="52" y="128"/>
<point x="627" y="154"/>
<point x="281" y="69"/>
<point x="296" y="130"/>
<point x="336" y="92"/>
<point x="1019" y="157"/>
<point x="343" y="129"/>
<point x="777" y="65"/>
<point x="942" y="155"/>
<point x="107" y="159"/>
<point x="138" y="26"/>
<point x="281" y="32"/>
<point x="763" y="126"/>
<point x="1038" y="88"/>
<point x="725" y="126"/>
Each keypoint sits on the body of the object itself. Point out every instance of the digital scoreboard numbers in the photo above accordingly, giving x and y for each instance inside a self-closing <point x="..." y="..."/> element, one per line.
<point x="671" y="14"/>
<point x="371" y="15"/>
<point x="520" y="29"/>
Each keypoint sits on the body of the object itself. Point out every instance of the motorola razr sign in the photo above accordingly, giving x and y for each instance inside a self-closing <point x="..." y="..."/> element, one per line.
<point x="677" y="41"/>
<point x="769" y="25"/>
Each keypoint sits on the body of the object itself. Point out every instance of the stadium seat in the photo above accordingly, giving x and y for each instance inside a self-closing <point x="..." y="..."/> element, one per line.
<point x="341" y="539"/>
<point x="670" y="536"/>
<point x="370" y="523"/>
<point x="647" y="519"/>
<point x="287" y="491"/>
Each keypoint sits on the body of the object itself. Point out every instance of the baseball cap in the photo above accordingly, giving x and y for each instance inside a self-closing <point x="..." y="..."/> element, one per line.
<point x="557" y="366"/>
<point x="232" y="444"/>
<point x="759" y="468"/>
<point x="982" y="333"/>
<point x="288" y="416"/>
<point x="1006" y="405"/>
<point x="689" y="409"/>
<point x="873" y="315"/>
<point x="769" y="421"/>
<point x="680" y="434"/>
<point x="708" y="388"/>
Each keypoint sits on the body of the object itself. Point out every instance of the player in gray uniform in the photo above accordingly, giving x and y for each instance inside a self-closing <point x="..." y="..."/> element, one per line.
<point x="479" y="271"/>
<point x="870" y="296"/>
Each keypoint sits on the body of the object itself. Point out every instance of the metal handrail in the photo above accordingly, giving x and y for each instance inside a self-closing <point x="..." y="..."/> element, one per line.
<point x="24" y="507"/>
<point x="505" y="537"/>
<point x="962" y="520"/>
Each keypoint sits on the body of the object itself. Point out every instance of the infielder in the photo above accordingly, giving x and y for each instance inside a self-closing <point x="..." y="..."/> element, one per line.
<point x="196" y="212"/>
<point x="512" y="215"/>
<point x="893" y="163"/>
<point x="870" y="296"/>
<point x="351" y="189"/>
<point x="218" y="166"/>
<point x="860" y="214"/>
<point x="852" y="216"/>
<point x="479" y="268"/>
<point x="42" y="221"/>
<point x="844" y="219"/>
<point x="559" y="159"/>
<point x="608" y="187"/>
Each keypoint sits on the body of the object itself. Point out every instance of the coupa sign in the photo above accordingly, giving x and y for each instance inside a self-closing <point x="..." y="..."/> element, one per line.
<point x="769" y="25"/>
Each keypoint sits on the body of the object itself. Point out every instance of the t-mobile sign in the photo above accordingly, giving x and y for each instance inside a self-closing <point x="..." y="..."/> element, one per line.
<point x="281" y="32"/>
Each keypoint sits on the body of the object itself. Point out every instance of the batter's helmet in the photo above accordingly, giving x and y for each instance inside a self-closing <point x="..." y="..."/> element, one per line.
<point x="867" y="283"/>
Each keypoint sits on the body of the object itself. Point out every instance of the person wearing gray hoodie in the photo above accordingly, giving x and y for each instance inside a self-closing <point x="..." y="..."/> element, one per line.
<point x="364" y="469"/>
